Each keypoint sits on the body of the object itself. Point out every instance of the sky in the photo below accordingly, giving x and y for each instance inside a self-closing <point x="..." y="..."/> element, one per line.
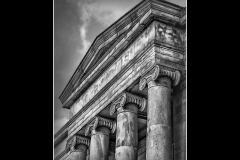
<point x="76" y="24"/>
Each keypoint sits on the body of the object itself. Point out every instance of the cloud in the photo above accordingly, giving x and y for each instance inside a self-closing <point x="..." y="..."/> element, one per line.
<point x="107" y="11"/>
<point x="85" y="17"/>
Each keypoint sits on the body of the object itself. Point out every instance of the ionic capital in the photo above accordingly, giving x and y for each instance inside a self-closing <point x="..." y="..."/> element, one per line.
<point x="159" y="71"/>
<point x="76" y="140"/>
<point x="100" y="122"/>
<point x="125" y="98"/>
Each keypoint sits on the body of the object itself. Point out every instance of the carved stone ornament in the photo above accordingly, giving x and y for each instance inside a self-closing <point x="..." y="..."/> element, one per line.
<point x="75" y="141"/>
<point x="125" y="98"/>
<point x="157" y="71"/>
<point x="100" y="122"/>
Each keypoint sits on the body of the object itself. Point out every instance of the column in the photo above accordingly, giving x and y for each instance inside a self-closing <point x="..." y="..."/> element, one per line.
<point x="127" y="106"/>
<point x="100" y="129"/>
<point x="78" y="147"/>
<point x="159" y="141"/>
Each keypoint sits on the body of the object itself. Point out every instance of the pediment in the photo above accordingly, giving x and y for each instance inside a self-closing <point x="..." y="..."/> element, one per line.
<point x="111" y="38"/>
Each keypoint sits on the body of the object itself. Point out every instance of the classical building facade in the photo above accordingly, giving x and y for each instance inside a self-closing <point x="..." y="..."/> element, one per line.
<point x="127" y="97"/>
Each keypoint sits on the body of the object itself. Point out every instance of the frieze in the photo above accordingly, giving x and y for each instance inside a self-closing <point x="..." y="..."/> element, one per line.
<point x="125" y="98"/>
<point x="170" y="64"/>
<point x="169" y="34"/>
<point x="99" y="122"/>
<point x="142" y="41"/>
<point x="157" y="71"/>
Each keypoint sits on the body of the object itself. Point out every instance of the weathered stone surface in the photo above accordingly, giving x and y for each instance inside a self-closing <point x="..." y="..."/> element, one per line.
<point x="79" y="153"/>
<point x="127" y="132"/>
<point x="169" y="34"/>
<point x="159" y="143"/>
<point x="113" y="70"/>
<point x="159" y="140"/>
<point x="126" y="153"/>
<point x="99" y="146"/>
<point x="127" y="129"/>
<point x="159" y="105"/>
<point x="118" y="87"/>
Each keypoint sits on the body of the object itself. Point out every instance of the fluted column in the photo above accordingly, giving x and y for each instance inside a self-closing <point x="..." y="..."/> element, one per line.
<point x="159" y="141"/>
<point x="78" y="147"/>
<point x="127" y="106"/>
<point x="100" y="129"/>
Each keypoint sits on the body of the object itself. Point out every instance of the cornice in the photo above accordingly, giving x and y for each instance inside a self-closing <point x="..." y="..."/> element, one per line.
<point x="60" y="138"/>
<point x="135" y="16"/>
<point x="125" y="98"/>
<point x="100" y="122"/>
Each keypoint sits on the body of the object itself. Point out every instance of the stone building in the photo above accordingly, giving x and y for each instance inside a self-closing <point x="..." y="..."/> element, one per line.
<point x="127" y="97"/>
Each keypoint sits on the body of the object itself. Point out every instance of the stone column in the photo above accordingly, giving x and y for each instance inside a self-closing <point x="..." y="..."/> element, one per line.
<point x="100" y="129"/>
<point x="127" y="106"/>
<point x="159" y="141"/>
<point x="78" y="147"/>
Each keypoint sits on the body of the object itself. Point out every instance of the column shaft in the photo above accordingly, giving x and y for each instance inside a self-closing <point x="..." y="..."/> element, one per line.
<point x="99" y="144"/>
<point x="127" y="133"/>
<point x="158" y="143"/>
<point x="79" y="153"/>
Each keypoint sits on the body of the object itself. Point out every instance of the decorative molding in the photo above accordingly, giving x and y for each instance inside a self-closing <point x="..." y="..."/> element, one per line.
<point x="157" y="71"/>
<point x="99" y="122"/>
<point x="75" y="141"/>
<point x="125" y="98"/>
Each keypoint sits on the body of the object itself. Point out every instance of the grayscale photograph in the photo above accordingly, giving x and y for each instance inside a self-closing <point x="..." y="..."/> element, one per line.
<point x="119" y="79"/>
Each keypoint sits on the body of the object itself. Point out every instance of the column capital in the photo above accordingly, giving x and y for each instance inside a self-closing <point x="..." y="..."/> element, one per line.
<point x="125" y="98"/>
<point x="100" y="122"/>
<point x="159" y="71"/>
<point x="76" y="140"/>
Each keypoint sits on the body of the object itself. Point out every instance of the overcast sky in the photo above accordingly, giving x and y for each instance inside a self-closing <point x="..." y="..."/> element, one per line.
<point x="76" y="24"/>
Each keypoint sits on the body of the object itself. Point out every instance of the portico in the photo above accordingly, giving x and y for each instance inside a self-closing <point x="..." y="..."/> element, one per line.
<point x="126" y="105"/>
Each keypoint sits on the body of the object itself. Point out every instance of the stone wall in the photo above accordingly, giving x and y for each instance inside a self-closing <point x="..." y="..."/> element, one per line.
<point x="179" y="121"/>
<point x="142" y="149"/>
